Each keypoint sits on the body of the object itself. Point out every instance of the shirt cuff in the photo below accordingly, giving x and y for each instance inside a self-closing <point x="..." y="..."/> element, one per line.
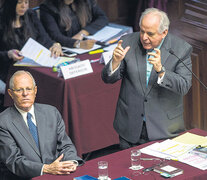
<point x="41" y="173"/>
<point x="76" y="162"/>
<point x="110" y="68"/>
<point x="160" y="79"/>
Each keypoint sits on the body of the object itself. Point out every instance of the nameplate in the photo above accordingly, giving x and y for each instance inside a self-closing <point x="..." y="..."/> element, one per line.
<point x="76" y="69"/>
<point x="106" y="57"/>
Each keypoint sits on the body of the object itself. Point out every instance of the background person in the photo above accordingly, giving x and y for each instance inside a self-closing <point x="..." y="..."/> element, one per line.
<point x="17" y="24"/>
<point x="49" y="151"/>
<point x="68" y="21"/>
<point x="154" y="81"/>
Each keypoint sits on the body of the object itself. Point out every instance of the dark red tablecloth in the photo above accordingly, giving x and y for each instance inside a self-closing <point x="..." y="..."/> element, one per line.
<point x="86" y="103"/>
<point x="119" y="164"/>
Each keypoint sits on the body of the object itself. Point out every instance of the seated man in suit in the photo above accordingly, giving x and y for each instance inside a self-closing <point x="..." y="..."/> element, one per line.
<point x="33" y="140"/>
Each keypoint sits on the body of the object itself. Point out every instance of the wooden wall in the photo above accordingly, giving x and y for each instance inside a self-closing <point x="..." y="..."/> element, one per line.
<point x="189" y="21"/>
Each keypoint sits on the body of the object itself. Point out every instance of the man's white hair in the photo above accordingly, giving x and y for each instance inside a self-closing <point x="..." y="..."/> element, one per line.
<point x="164" y="20"/>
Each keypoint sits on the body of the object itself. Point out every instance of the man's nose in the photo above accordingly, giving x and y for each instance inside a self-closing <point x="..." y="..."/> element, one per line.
<point x="145" y="36"/>
<point x="24" y="92"/>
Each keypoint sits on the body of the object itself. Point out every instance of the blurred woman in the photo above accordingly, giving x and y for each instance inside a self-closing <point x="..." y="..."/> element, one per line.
<point x="17" y="24"/>
<point x="69" y="21"/>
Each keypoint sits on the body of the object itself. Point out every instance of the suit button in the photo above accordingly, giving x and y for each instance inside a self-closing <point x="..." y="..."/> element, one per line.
<point x="142" y="115"/>
<point x="145" y="100"/>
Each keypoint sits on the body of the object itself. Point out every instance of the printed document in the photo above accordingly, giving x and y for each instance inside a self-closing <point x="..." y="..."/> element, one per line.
<point x="79" y="50"/>
<point x="105" y="33"/>
<point x="35" y="54"/>
<point x="176" y="151"/>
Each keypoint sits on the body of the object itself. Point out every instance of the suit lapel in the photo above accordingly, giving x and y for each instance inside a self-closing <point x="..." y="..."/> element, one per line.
<point x="41" y="124"/>
<point x="141" y="64"/>
<point x="20" y="125"/>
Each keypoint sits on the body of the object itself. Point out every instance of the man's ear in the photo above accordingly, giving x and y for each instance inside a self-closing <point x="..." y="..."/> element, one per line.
<point x="164" y="33"/>
<point x="10" y="93"/>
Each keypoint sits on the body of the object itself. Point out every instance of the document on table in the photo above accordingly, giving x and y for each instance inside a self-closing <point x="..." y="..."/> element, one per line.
<point x="190" y="138"/>
<point x="105" y="33"/>
<point x="168" y="148"/>
<point x="35" y="54"/>
<point x="176" y="151"/>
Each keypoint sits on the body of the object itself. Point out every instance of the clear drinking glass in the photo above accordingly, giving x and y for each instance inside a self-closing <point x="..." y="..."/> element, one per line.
<point x="135" y="159"/>
<point x="103" y="170"/>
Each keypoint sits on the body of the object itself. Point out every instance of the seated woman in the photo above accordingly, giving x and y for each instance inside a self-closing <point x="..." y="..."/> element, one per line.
<point x="68" y="21"/>
<point x="17" y="24"/>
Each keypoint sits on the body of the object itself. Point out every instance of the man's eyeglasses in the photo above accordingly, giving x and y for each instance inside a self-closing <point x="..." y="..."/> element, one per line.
<point x="21" y="90"/>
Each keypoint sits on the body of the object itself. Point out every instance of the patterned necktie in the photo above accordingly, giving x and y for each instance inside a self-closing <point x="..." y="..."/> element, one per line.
<point x="32" y="129"/>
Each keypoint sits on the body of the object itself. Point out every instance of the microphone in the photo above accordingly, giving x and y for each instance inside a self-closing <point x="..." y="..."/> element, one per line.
<point x="172" y="52"/>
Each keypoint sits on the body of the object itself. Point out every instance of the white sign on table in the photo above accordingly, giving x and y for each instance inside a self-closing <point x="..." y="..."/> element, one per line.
<point x="76" y="69"/>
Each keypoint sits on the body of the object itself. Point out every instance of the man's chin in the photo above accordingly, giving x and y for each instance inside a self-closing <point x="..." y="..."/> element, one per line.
<point x="25" y="107"/>
<point x="147" y="47"/>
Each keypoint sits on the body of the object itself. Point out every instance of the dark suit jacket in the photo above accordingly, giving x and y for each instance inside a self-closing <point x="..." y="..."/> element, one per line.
<point x="161" y="105"/>
<point x="50" y="17"/>
<point x="18" y="150"/>
<point x="38" y="33"/>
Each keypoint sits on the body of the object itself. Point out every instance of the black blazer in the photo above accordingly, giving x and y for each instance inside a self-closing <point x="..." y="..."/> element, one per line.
<point x="49" y="15"/>
<point x="38" y="33"/>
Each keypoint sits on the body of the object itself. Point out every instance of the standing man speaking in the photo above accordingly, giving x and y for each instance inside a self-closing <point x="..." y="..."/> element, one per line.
<point x="154" y="81"/>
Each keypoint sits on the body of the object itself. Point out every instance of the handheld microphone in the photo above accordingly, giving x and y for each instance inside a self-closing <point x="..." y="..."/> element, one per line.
<point x="172" y="52"/>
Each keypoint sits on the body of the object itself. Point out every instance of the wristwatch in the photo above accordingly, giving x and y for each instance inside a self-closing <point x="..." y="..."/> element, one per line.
<point x="77" y="44"/>
<point x="162" y="70"/>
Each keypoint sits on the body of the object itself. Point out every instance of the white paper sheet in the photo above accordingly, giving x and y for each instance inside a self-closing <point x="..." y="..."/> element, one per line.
<point x="38" y="53"/>
<point x="105" y="33"/>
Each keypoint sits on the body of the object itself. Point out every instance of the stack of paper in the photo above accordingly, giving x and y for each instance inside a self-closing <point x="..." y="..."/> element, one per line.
<point x="179" y="149"/>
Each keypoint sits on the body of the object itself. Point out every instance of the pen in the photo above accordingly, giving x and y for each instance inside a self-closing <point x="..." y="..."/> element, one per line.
<point x="112" y="41"/>
<point x="149" y="169"/>
<point x="146" y="159"/>
<point x="96" y="51"/>
<point x="70" y="55"/>
<point x="94" y="60"/>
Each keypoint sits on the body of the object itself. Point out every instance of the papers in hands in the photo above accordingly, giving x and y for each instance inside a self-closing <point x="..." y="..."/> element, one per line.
<point x="35" y="54"/>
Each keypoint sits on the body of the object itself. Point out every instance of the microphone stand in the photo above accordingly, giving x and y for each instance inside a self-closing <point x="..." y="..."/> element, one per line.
<point x="172" y="52"/>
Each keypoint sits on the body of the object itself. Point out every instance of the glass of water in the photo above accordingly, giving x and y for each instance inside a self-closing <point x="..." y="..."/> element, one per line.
<point x="103" y="170"/>
<point x="135" y="159"/>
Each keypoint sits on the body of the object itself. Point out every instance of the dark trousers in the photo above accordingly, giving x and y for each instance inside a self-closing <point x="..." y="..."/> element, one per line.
<point x="124" y="144"/>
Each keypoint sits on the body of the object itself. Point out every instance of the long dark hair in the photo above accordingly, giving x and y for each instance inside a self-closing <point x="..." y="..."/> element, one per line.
<point x="80" y="7"/>
<point x="8" y="17"/>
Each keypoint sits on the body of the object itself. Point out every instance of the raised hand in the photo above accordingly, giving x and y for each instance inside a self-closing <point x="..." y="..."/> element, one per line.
<point x="119" y="54"/>
<point x="155" y="59"/>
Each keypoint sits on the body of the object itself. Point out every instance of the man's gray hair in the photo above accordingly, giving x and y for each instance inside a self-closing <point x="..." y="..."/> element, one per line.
<point x="164" y="20"/>
<point x="11" y="81"/>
